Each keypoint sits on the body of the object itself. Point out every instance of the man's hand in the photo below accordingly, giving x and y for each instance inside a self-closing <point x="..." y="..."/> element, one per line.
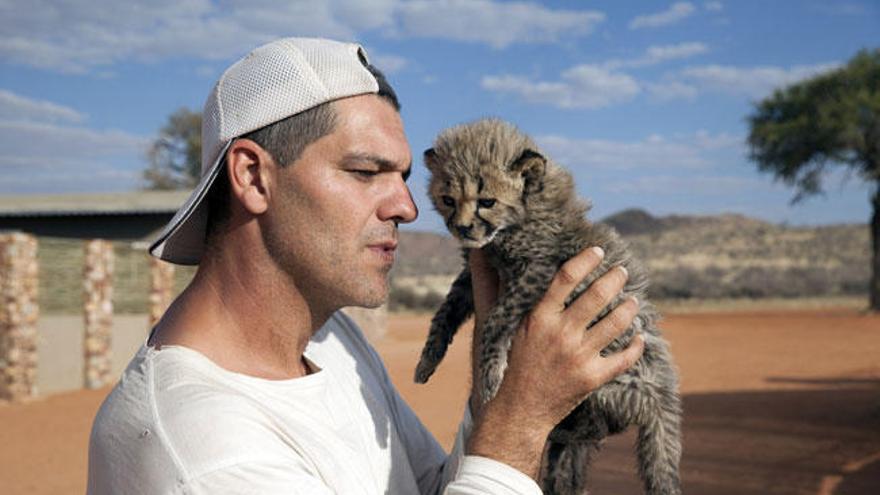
<point x="554" y="363"/>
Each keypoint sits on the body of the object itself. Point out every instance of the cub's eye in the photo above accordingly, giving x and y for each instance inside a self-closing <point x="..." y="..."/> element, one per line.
<point x="448" y="201"/>
<point x="486" y="203"/>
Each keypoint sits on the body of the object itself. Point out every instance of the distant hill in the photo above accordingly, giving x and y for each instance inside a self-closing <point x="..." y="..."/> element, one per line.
<point x="690" y="256"/>
<point x="634" y="221"/>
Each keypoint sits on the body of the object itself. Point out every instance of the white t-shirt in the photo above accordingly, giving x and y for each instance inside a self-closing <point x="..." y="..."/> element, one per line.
<point x="176" y="423"/>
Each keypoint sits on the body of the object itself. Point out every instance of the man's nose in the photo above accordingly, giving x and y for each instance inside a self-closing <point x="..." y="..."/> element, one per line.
<point x="399" y="206"/>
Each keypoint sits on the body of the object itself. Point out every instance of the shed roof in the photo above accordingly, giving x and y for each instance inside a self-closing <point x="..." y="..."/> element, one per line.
<point x="134" y="202"/>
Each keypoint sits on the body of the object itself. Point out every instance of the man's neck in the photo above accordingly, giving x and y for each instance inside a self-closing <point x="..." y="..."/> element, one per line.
<point x="246" y="319"/>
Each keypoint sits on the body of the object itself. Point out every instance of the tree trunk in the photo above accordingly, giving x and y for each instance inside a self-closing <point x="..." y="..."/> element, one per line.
<point x="874" y="287"/>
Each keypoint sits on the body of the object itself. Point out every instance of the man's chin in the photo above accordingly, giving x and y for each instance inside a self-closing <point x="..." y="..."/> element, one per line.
<point x="373" y="295"/>
<point x="370" y="304"/>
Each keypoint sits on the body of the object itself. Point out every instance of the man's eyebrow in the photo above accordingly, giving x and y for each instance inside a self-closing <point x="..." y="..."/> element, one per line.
<point x="383" y="163"/>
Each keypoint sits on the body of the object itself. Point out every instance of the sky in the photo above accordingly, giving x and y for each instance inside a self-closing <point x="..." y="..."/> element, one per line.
<point x="645" y="102"/>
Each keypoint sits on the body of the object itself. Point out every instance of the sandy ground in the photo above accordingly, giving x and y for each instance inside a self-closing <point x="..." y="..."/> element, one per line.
<point x="776" y="402"/>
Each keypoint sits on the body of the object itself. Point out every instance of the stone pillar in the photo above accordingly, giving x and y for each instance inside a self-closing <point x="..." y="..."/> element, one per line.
<point x="161" y="288"/>
<point x="19" y="310"/>
<point x="373" y="322"/>
<point x="98" y="311"/>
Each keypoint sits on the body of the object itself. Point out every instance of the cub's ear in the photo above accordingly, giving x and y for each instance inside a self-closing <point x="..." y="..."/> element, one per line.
<point x="531" y="165"/>
<point x="430" y="159"/>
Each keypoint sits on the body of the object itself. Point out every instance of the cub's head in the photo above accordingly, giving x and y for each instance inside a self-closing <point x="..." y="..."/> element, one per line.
<point x="481" y="175"/>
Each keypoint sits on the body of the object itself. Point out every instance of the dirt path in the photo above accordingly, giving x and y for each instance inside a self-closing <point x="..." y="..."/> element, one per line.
<point x="781" y="402"/>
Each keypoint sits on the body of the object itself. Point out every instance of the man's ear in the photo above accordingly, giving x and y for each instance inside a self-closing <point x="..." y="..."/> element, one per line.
<point x="531" y="165"/>
<point x="250" y="173"/>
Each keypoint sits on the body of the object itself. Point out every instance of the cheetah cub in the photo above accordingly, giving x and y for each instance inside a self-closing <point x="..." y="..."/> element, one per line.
<point x="497" y="192"/>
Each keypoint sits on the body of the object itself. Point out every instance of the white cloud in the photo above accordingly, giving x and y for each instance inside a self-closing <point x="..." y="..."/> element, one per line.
<point x="388" y="64"/>
<point x="621" y="155"/>
<point x="597" y="86"/>
<point x="19" y="108"/>
<point x="582" y="86"/>
<point x="363" y="14"/>
<point x="750" y="81"/>
<point x="52" y="158"/>
<point x="84" y="37"/>
<point x="78" y="37"/>
<point x="713" y="6"/>
<point x="36" y="143"/>
<point x="662" y="53"/>
<point x="675" y="13"/>
<point x="41" y="151"/>
<point x="707" y="141"/>
<point x="705" y="185"/>
<point x="87" y="178"/>
<point x="658" y="54"/>
<point x="496" y="23"/>
<point x="654" y="151"/>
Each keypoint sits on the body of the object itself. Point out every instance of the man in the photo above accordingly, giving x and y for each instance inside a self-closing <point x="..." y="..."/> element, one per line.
<point x="252" y="382"/>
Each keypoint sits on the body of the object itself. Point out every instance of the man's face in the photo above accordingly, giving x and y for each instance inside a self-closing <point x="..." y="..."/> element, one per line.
<point x="332" y="218"/>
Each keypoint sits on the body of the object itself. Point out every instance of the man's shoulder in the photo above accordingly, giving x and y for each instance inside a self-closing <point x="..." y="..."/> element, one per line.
<point x="163" y="444"/>
<point x="171" y="409"/>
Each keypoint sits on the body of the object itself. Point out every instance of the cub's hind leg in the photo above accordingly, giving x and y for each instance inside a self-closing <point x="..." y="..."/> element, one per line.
<point x="572" y="446"/>
<point x="457" y="307"/>
<point x="649" y="400"/>
<point x="659" y="443"/>
<point x="568" y="464"/>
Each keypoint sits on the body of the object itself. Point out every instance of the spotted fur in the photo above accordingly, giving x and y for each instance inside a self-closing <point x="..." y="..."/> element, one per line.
<point x="498" y="192"/>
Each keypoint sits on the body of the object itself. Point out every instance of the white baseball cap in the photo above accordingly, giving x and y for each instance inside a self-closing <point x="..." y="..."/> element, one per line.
<point x="271" y="83"/>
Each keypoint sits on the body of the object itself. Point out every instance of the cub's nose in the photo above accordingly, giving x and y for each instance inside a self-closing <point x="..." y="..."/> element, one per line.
<point x="464" y="230"/>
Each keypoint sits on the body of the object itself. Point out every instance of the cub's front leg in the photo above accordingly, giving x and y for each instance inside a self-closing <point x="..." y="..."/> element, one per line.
<point x="515" y="302"/>
<point x="458" y="307"/>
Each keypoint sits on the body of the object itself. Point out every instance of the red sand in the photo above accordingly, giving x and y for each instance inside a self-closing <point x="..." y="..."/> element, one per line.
<point x="781" y="402"/>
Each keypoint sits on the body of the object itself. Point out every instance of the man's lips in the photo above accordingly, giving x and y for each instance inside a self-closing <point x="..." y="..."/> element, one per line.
<point x="385" y="249"/>
<point x="386" y="245"/>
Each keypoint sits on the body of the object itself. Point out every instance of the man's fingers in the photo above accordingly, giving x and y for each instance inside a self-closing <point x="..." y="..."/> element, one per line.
<point x="570" y="274"/>
<point x="600" y="293"/>
<point x="616" y="364"/>
<point x="611" y="326"/>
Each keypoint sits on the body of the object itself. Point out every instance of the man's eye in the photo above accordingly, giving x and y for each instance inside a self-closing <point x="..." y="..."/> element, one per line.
<point x="366" y="173"/>
<point x="448" y="201"/>
<point x="486" y="203"/>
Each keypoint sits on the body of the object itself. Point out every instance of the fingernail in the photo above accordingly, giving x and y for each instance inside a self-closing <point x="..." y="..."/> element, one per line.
<point x="599" y="251"/>
<point x="635" y="299"/>
<point x="623" y="269"/>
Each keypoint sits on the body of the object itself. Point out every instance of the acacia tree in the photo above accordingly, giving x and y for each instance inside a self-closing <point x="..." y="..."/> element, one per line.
<point x="175" y="156"/>
<point x="830" y="119"/>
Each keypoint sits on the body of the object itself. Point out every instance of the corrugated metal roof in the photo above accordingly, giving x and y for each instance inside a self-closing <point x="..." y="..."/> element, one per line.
<point x="134" y="202"/>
